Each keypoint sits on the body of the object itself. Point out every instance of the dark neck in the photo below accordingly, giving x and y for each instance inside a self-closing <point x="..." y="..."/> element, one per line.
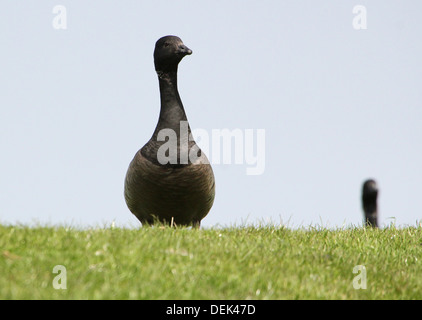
<point x="173" y="117"/>
<point x="172" y="111"/>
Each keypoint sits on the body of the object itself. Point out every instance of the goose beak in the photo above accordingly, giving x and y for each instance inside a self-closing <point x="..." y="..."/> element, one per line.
<point x="184" y="50"/>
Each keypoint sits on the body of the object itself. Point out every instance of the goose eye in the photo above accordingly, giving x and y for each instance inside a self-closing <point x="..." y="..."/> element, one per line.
<point x="166" y="44"/>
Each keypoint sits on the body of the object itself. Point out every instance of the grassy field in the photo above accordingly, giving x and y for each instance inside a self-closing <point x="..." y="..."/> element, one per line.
<point x="229" y="263"/>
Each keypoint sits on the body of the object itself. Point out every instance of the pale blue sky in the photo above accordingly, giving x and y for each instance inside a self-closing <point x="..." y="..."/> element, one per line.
<point x="338" y="105"/>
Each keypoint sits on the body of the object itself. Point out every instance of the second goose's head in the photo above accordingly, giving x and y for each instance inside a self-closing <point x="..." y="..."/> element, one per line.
<point x="370" y="190"/>
<point x="169" y="50"/>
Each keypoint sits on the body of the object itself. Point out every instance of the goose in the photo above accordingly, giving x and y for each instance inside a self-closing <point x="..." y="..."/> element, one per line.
<point x="170" y="179"/>
<point x="369" y="202"/>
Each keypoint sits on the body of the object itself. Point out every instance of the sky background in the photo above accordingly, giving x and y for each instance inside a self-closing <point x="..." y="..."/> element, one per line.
<point x="338" y="106"/>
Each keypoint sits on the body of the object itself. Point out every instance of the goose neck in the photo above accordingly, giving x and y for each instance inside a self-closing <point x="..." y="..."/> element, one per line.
<point x="172" y="111"/>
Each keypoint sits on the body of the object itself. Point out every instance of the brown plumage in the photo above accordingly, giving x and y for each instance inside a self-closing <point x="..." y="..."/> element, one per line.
<point x="170" y="180"/>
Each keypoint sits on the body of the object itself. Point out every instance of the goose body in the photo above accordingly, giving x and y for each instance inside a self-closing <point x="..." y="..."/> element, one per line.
<point x="369" y="203"/>
<point x="170" y="178"/>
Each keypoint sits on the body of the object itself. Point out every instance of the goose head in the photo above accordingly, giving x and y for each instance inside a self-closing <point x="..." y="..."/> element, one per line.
<point x="169" y="51"/>
<point x="370" y="188"/>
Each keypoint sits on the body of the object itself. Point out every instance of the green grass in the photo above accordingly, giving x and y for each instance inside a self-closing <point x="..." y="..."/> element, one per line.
<point x="229" y="263"/>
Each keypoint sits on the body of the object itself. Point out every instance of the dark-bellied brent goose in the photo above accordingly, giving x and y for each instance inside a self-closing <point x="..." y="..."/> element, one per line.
<point x="369" y="203"/>
<point x="170" y="179"/>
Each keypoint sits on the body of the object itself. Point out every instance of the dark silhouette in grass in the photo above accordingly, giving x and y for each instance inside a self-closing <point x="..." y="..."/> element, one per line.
<point x="369" y="203"/>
